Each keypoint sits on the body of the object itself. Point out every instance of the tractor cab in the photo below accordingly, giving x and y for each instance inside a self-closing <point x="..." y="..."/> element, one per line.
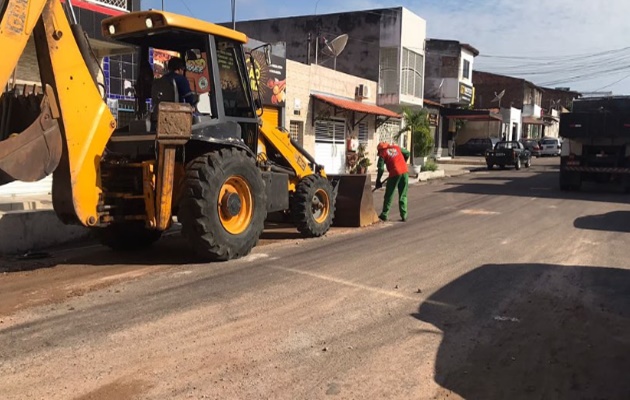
<point x="214" y="79"/>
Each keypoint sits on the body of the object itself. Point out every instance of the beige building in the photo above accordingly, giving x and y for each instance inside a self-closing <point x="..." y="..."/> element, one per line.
<point x="325" y="108"/>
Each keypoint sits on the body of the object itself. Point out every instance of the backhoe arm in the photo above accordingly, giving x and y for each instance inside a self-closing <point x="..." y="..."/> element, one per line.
<point x="75" y="124"/>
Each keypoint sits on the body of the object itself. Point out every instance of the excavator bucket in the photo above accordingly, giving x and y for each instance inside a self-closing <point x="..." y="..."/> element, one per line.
<point x="34" y="153"/>
<point x="355" y="203"/>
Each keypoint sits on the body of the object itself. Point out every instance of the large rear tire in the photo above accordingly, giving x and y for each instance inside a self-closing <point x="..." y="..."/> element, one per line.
<point x="313" y="206"/>
<point x="127" y="236"/>
<point x="224" y="206"/>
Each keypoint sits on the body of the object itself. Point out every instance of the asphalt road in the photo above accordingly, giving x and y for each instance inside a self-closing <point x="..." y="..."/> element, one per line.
<point x="498" y="287"/>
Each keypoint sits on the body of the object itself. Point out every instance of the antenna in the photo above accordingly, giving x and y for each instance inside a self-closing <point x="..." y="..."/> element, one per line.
<point x="335" y="47"/>
<point x="498" y="97"/>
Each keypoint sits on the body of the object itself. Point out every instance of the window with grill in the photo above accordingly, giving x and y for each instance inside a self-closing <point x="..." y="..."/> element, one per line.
<point x="411" y="77"/>
<point x="388" y="131"/>
<point x="388" y="74"/>
<point x="330" y="131"/>
<point x="117" y="4"/>
<point x="466" y="69"/>
<point x="363" y="134"/>
<point x="295" y="130"/>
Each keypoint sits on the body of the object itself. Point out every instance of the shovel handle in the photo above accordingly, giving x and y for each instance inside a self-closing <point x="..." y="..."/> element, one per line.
<point x="382" y="183"/>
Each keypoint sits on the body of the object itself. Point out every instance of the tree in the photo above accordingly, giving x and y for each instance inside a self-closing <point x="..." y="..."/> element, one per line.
<point x="417" y="122"/>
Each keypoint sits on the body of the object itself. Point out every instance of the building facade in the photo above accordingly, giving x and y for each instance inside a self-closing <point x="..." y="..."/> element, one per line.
<point x="501" y="91"/>
<point x="386" y="46"/>
<point x="328" y="110"/>
<point x="117" y="77"/>
<point x="448" y="84"/>
<point x="449" y="69"/>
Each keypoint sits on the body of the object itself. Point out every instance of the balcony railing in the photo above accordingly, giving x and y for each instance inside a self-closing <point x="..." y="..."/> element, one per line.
<point x="120" y="5"/>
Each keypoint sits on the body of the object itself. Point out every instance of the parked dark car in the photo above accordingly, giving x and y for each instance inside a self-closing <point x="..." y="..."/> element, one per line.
<point x="475" y="146"/>
<point x="533" y="146"/>
<point x="509" y="153"/>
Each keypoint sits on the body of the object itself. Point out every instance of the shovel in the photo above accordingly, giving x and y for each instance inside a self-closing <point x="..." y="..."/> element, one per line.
<point x="382" y="185"/>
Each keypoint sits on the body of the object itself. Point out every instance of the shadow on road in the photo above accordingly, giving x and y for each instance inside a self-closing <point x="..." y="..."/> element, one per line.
<point x="172" y="249"/>
<point x="533" y="331"/>
<point x="616" y="221"/>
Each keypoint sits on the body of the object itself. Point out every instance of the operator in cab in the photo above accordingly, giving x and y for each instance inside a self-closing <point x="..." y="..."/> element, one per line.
<point x="176" y="70"/>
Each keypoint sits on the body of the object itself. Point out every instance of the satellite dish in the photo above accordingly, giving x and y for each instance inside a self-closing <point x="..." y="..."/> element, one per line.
<point x="498" y="97"/>
<point x="335" y="47"/>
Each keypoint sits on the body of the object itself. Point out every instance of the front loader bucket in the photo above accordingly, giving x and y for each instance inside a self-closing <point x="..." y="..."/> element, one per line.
<point x="34" y="153"/>
<point x="355" y="203"/>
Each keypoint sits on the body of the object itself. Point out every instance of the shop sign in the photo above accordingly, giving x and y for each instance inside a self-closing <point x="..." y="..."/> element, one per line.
<point x="269" y="79"/>
<point x="465" y="93"/>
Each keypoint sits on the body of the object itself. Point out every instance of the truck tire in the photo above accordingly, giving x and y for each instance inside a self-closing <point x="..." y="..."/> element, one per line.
<point x="517" y="164"/>
<point x="127" y="236"/>
<point x="224" y="205"/>
<point x="313" y="206"/>
<point x="570" y="181"/>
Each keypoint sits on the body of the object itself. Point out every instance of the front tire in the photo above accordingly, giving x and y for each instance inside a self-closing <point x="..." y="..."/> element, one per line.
<point x="517" y="164"/>
<point x="313" y="206"/>
<point x="224" y="206"/>
<point x="128" y="236"/>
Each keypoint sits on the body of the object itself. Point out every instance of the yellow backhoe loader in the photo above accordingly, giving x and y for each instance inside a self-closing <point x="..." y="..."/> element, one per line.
<point x="220" y="171"/>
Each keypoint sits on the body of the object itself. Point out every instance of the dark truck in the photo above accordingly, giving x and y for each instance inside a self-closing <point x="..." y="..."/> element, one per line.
<point x="596" y="144"/>
<point x="509" y="153"/>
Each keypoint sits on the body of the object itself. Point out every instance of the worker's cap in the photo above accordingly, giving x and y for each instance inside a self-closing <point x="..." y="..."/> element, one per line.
<point x="382" y="146"/>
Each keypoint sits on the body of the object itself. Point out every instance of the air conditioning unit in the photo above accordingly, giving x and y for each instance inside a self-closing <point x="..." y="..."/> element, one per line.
<point x="363" y="92"/>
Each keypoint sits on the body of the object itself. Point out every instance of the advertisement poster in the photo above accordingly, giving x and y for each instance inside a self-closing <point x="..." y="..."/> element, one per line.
<point x="271" y="79"/>
<point x="196" y="69"/>
<point x="197" y="73"/>
<point x="160" y="61"/>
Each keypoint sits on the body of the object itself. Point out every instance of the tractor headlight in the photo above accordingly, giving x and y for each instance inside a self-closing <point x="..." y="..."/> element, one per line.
<point x="149" y="23"/>
<point x="112" y="29"/>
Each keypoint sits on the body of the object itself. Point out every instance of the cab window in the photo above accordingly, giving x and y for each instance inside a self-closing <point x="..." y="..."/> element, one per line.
<point x="233" y="79"/>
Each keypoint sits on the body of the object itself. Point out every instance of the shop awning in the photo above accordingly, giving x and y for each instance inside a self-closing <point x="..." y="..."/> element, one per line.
<point x="356" y="106"/>
<point x="472" y="115"/>
<point x="533" y="121"/>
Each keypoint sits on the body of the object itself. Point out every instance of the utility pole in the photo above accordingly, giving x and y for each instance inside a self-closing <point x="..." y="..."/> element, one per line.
<point x="234" y="14"/>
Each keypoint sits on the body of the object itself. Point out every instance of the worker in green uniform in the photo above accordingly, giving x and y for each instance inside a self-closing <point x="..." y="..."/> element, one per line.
<point x="395" y="159"/>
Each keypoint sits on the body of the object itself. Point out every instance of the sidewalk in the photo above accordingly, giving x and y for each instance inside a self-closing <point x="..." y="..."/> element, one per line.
<point x="29" y="223"/>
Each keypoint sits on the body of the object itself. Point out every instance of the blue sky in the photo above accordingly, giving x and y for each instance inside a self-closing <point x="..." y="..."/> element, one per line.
<point x="580" y="44"/>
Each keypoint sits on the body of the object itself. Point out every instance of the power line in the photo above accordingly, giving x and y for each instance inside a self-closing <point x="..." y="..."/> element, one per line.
<point x="611" y="84"/>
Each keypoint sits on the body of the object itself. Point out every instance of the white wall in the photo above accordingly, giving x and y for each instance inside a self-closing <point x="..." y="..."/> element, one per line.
<point x="532" y="110"/>
<point x="412" y="37"/>
<point x="449" y="91"/>
<point x="468" y="56"/>
<point x="510" y="117"/>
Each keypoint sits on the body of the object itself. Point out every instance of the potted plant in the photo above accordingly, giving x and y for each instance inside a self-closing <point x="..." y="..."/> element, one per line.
<point x="363" y="161"/>
<point x="417" y="122"/>
<point x="363" y="165"/>
<point x="422" y="146"/>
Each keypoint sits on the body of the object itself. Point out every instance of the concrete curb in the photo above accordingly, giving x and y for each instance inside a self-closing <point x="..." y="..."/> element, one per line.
<point x="427" y="175"/>
<point x="22" y="231"/>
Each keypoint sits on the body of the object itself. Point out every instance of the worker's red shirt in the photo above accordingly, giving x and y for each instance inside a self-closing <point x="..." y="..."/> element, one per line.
<point x="394" y="160"/>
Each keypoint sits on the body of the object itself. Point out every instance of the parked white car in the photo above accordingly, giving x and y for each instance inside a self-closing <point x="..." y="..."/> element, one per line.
<point x="550" y="146"/>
